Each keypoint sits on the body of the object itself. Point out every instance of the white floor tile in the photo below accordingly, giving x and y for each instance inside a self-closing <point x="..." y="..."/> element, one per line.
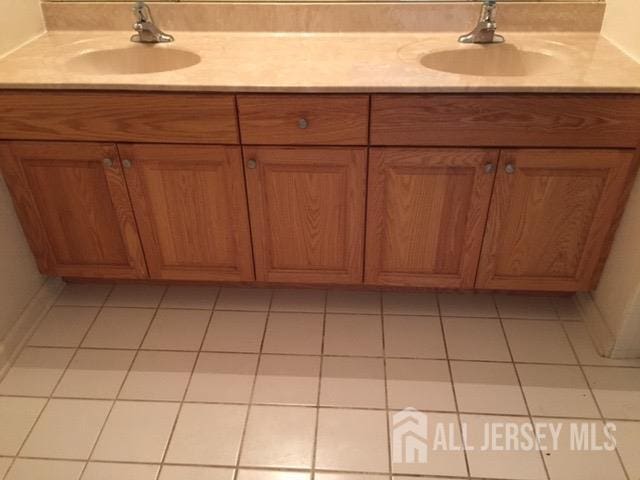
<point x="280" y="437"/>
<point x="398" y="303"/>
<point x="557" y="390"/>
<point x="420" y="384"/>
<point x="475" y="339"/>
<point x="538" y="341"/>
<point x="207" y="434"/>
<point x="235" y="332"/>
<point x="353" y="335"/>
<point x="140" y="296"/>
<point x="67" y="429"/>
<point x="223" y="377"/>
<point x="487" y="387"/>
<point x="353" y="301"/>
<point x="177" y="329"/>
<point x="17" y="416"/>
<point x="120" y="471"/>
<point x="119" y="328"/>
<point x="617" y="391"/>
<point x="190" y="296"/>
<point x="244" y="299"/>
<point x="298" y="300"/>
<point x="36" y="371"/>
<point x="158" y="376"/>
<point x="32" y="469"/>
<point x="413" y="336"/>
<point x="136" y="432"/>
<point x="467" y="305"/>
<point x="86" y="295"/>
<point x="177" y="472"/>
<point x="95" y="373"/>
<point x="63" y="327"/>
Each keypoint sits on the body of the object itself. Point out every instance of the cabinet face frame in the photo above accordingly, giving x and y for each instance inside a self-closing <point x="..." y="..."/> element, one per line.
<point x="514" y="196"/>
<point x="307" y="165"/>
<point x="398" y="179"/>
<point x="224" y="202"/>
<point x="16" y="158"/>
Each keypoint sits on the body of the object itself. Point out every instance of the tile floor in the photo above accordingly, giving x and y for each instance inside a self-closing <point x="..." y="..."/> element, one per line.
<point x="194" y="383"/>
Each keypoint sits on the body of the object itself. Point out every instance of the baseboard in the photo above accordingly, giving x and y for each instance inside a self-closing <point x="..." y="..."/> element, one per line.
<point x="602" y="336"/>
<point x="28" y="321"/>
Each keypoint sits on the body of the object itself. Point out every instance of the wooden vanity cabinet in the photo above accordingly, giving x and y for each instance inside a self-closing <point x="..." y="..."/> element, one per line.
<point x="75" y="209"/>
<point x="307" y="209"/>
<point x="426" y="215"/>
<point x="191" y="209"/>
<point x="551" y="218"/>
<point x="460" y="191"/>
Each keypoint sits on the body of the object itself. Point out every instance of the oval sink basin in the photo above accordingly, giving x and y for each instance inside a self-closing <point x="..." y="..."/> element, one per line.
<point x="134" y="59"/>
<point x="494" y="60"/>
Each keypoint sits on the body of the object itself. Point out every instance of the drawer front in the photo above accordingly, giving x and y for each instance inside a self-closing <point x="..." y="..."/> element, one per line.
<point x="119" y="117"/>
<point x="494" y="120"/>
<point x="304" y="119"/>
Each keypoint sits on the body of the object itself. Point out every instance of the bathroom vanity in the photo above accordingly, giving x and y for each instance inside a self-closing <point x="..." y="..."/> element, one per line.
<point x="428" y="180"/>
<point x="461" y="191"/>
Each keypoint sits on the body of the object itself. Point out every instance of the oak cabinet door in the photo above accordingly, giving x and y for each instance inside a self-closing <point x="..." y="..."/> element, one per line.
<point x="552" y="218"/>
<point x="75" y="210"/>
<point x="426" y="215"/>
<point x="191" y="208"/>
<point x="307" y="208"/>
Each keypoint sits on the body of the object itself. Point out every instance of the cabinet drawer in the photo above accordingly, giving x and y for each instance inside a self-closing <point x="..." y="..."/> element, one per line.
<point x="516" y="120"/>
<point x="118" y="117"/>
<point x="304" y="119"/>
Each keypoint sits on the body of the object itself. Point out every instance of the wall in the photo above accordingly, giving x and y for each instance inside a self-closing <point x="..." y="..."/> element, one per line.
<point x="618" y="295"/>
<point x="621" y="25"/>
<point x="20" y="21"/>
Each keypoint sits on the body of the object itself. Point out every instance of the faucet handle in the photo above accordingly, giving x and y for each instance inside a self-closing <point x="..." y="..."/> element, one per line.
<point x="142" y="12"/>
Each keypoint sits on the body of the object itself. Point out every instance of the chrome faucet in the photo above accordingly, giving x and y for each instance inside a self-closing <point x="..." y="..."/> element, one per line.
<point x="485" y="31"/>
<point x="148" y="32"/>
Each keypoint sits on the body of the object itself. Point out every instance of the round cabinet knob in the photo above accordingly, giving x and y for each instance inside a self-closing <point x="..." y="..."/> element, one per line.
<point x="107" y="162"/>
<point x="303" y="123"/>
<point x="489" y="168"/>
<point x="126" y="163"/>
<point x="510" y="168"/>
<point x="252" y="164"/>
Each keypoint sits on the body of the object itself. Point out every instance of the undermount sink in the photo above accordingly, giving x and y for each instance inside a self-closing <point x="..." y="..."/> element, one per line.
<point x="134" y="59"/>
<point x="494" y="60"/>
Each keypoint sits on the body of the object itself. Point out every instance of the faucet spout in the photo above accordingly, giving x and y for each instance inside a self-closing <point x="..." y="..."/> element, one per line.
<point x="148" y="31"/>
<point x="485" y="30"/>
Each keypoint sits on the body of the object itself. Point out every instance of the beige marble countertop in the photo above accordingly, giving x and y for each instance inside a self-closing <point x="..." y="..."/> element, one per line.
<point x="319" y="62"/>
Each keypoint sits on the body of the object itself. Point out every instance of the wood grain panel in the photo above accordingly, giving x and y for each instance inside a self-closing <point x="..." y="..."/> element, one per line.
<point x="191" y="208"/>
<point x="551" y="220"/>
<point x="307" y="208"/>
<point x="75" y="211"/>
<point x="118" y="117"/>
<point x="331" y="119"/>
<point x="517" y="120"/>
<point x="426" y="215"/>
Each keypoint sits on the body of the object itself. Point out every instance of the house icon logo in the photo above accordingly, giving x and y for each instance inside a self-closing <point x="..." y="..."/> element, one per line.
<point x="409" y="436"/>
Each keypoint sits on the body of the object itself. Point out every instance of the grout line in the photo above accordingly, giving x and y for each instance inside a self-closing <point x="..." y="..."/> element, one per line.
<point x="62" y="374"/>
<point x="453" y="391"/>
<point x="314" y="452"/>
<point x="595" y="400"/>
<point x="253" y="388"/>
<point x="124" y="380"/>
<point x="524" y="397"/>
<point x="386" y="390"/>
<point x="186" y="389"/>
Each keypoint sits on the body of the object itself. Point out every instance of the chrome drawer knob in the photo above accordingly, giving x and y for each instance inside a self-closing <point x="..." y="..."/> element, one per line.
<point x="489" y="168"/>
<point x="107" y="162"/>
<point x="510" y="168"/>
<point x="126" y="163"/>
<point x="252" y="164"/>
<point x="303" y="123"/>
